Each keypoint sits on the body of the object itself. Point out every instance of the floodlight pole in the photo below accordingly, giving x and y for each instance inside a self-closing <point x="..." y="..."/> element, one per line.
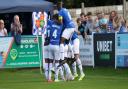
<point x="124" y="9"/>
<point x="82" y="7"/>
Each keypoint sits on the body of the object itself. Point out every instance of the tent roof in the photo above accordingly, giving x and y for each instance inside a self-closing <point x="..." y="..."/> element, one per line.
<point x="9" y="6"/>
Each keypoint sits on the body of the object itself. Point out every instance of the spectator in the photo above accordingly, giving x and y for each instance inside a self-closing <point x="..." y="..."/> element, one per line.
<point x="103" y="25"/>
<point x="117" y="23"/>
<point x="16" y="29"/>
<point x="110" y="23"/>
<point x="127" y="22"/>
<point x="81" y="28"/>
<point x="89" y="28"/>
<point x="124" y="27"/>
<point x="114" y="22"/>
<point x="112" y="15"/>
<point x="100" y="16"/>
<point x="83" y="18"/>
<point x="3" y="31"/>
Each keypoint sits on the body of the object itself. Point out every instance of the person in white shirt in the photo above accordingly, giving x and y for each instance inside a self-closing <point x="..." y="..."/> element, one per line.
<point x="3" y="30"/>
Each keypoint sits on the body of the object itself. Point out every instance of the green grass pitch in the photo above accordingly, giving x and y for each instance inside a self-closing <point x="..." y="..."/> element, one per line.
<point x="97" y="78"/>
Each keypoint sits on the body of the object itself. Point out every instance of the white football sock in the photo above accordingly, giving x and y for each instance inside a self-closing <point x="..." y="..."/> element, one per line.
<point x="74" y="68"/>
<point x="67" y="68"/>
<point x="56" y="71"/>
<point x="46" y="70"/>
<point x="78" y="61"/>
<point x="49" y="71"/>
<point x="61" y="73"/>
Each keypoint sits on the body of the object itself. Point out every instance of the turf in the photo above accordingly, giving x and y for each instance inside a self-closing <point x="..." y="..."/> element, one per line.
<point x="97" y="78"/>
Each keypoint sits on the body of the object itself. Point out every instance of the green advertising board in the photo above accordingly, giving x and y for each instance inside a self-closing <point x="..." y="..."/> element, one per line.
<point x="28" y="54"/>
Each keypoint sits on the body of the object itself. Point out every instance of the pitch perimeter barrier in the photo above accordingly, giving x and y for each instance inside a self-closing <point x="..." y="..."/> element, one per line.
<point x="98" y="50"/>
<point x="27" y="54"/>
<point x="121" y="50"/>
<point x="86" y="51"/>
<point x="104" y="49"/>
<point x="109" y="49"/>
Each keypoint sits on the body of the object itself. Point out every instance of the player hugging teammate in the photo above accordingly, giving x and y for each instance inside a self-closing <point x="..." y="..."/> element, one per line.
<point x="57" y="50"/>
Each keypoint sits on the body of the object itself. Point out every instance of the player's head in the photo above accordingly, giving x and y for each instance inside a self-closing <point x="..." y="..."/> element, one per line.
<point x="56" y="18"/>
<point x="59" y="5"/>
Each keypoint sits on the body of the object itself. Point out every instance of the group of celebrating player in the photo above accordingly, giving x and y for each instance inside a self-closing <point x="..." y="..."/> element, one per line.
<point x="62" y="46"/>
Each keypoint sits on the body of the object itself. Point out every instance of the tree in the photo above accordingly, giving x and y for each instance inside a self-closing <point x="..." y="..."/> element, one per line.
<point x="88" y="3"/>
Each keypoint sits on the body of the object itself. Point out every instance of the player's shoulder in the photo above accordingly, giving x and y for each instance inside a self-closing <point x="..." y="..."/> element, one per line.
<point x="50" y="22"/>
<point x="63" y="10"/>
<point x="55" y="25"/>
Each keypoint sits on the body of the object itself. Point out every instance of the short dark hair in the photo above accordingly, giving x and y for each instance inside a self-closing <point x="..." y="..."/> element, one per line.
<point x="89" y="13"/>
<point x="82" y="14"/>
<point x="59" y="2"/>
<point x="98" y="13"/>
<point x="55" y="16"/>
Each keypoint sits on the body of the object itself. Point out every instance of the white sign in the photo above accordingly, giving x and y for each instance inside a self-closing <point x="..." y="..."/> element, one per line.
<point x="120" y="8"/>
<point x="78" y="11"/>
<point x="7" y="41"/>
<point x="86" y="51"/>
